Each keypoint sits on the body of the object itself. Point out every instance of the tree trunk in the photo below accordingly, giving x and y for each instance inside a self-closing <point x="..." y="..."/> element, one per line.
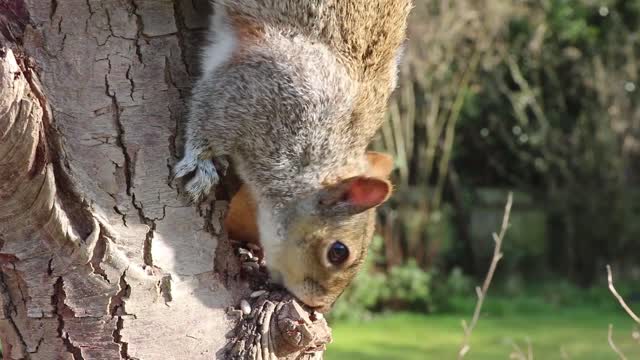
<point x="100" y="258"/>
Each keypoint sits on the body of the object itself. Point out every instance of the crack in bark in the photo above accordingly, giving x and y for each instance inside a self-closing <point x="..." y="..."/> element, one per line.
<point x="164" y="286"/>
<point x="128" y="170"/>
<point x="120" y="129"/>
<point x="133" y="85"/>
<point x="116" y="305"/>
<point x="182" y="29"/>
<point x="91" y="12"/>
<point x="111" y="33"/>
<point x="117" y="338"/>
<point x="62" y="311"/>
<point x="117" y="301"/>
<point x="35" y="351"/>
<point x="54" y="8"/>
<point x="19" y="286"/>
<point x="172" y="150"/>
<point x="124" y="216"/>
<point x="89" y="7"/>
<point x="50" y="266"/>
<point x="10" y="309"/>
<point x="139" y="25"/>
<point x="64" y="39"/>
<point x="147" y="257"/>
<point x="18" y="333"/>
<point x="97" y="257"/>
<point x="121" y="142"/>
<point x="167" y="74"/>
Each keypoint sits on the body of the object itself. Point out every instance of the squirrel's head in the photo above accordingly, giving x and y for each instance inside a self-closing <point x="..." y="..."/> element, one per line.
<point x="315" y="246"/>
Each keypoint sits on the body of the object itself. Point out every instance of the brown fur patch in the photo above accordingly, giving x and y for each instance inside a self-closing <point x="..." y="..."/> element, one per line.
<point x="246" y="30"/>
<point x="365" y="34"/>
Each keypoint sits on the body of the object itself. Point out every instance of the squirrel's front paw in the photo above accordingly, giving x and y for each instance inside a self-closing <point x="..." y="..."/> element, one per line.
<point x="205" y="176"/>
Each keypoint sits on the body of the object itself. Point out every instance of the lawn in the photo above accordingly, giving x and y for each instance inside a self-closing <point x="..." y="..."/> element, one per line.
<point x="580" y="333"/>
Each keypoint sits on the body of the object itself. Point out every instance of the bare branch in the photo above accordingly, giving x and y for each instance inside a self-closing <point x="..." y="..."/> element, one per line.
<point x="482" y="292"/>
<point x="620" y="299"/>
<point x="613" y="345"/>
<point x="519" y="354"/>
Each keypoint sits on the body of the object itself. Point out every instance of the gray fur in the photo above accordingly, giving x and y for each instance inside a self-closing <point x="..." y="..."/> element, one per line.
<point x="292" y="92"/>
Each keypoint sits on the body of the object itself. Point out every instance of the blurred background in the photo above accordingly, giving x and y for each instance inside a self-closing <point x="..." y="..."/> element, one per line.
<point x="539" y="98"/>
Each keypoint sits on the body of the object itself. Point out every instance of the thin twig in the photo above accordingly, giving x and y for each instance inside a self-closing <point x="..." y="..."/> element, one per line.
<point x="497" y="255"/>
<point x="613" y="345"/>
<point x="620" y="299"/>
<point x="518" y="353"/>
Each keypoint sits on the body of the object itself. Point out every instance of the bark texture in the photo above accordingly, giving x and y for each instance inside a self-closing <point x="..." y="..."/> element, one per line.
<point x="100" y="258"/>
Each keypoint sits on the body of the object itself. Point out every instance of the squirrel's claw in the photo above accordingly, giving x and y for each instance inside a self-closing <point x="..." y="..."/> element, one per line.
<point x="205" y="177"/>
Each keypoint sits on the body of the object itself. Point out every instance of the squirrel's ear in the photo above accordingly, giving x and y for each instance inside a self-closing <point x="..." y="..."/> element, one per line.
<point x="380" y="164"/>
<point x="356" y="194"/>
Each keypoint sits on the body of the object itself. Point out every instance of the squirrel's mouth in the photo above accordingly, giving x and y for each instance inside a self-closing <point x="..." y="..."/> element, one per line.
<point x="321" y="309"/>
<point x="324" y="308"/>
<point x="307" y="290"/>
<point x="310" y="298"/>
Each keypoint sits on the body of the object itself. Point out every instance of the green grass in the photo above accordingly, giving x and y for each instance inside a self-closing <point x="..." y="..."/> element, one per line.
<point x="582" y="333"/>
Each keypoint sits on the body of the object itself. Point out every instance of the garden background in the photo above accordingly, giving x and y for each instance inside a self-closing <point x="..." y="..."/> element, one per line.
<point x="539" y="98"/>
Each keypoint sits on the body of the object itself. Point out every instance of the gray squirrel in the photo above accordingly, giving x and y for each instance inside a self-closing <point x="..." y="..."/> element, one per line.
<point x="293" y="92"/>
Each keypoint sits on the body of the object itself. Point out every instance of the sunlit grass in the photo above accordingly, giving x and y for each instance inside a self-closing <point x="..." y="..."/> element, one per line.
<point x="580" y="333"/>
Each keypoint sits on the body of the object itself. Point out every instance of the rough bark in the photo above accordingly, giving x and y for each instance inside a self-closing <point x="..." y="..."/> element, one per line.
<point x="100" y="258"/>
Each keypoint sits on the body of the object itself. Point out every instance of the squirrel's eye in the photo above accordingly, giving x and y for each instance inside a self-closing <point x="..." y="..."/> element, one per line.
<point x="338" y="253"/>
